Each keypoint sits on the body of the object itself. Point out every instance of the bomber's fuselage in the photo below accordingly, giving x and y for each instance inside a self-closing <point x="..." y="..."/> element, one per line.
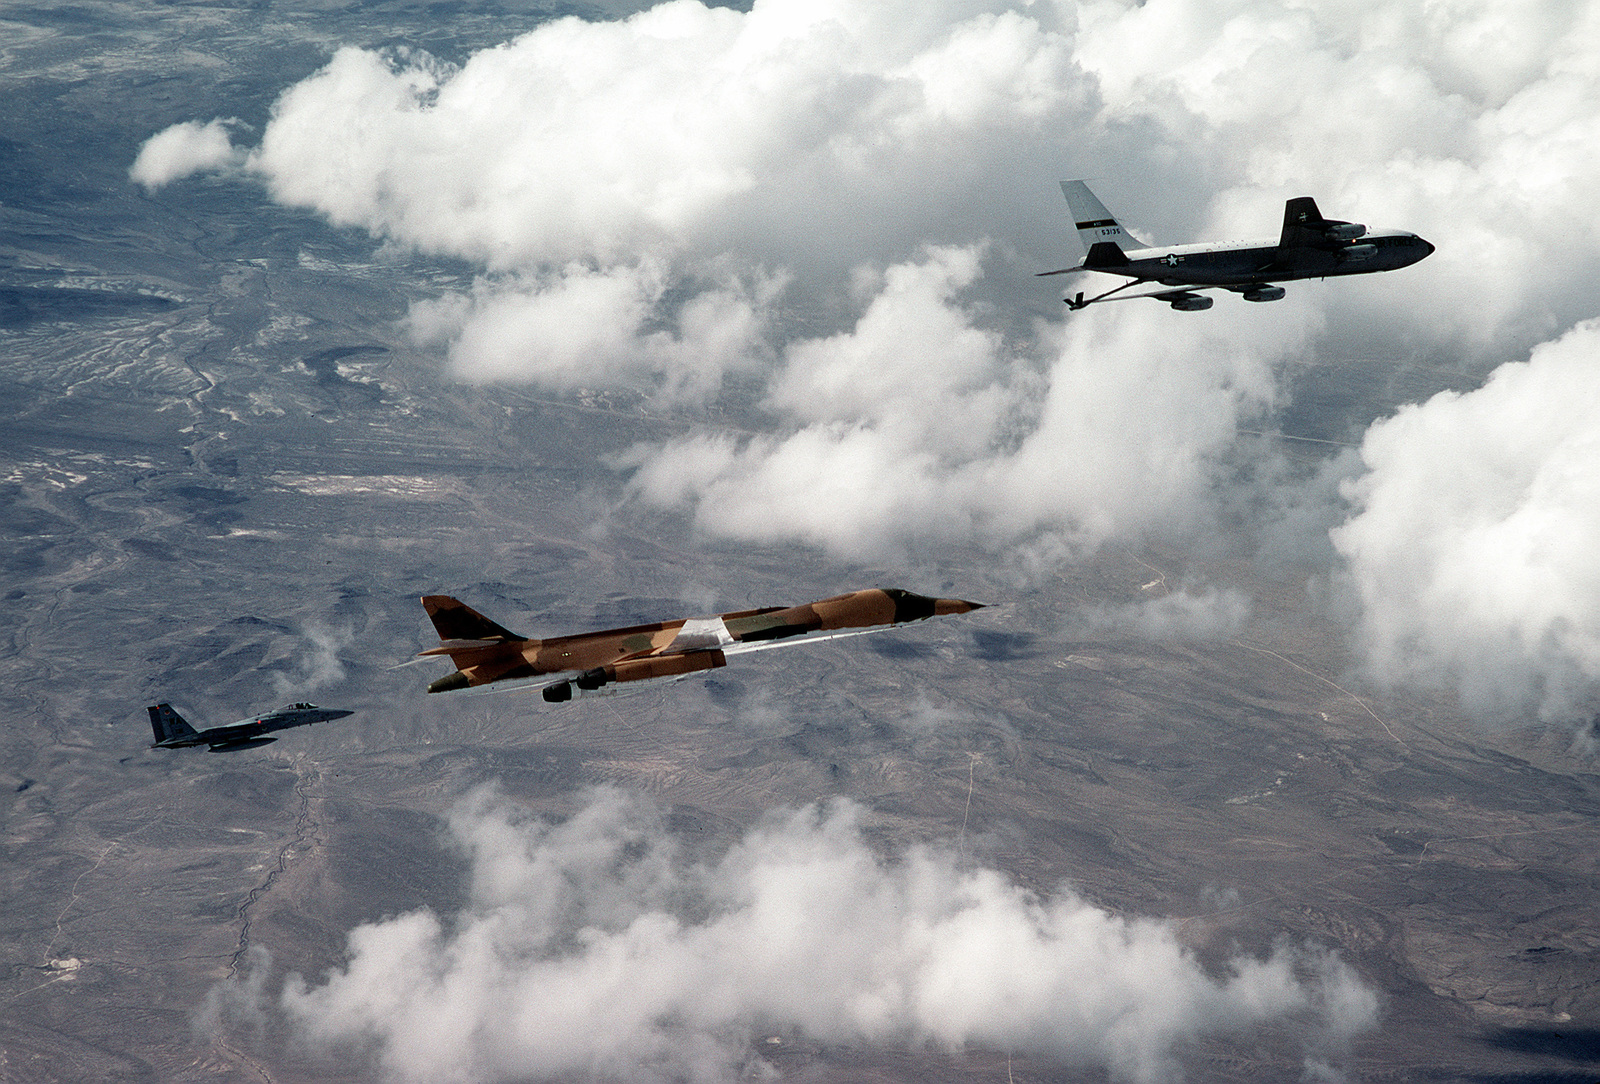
<point x="670" y="648"/>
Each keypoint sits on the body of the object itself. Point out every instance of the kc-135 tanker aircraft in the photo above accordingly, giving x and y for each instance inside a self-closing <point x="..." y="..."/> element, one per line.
<point x="490" y="658"/>
<point x="174" y="732"/>
<point x="1309" y="247"/>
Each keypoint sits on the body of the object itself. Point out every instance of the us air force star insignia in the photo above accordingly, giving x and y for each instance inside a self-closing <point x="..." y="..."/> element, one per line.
<point x="1172" y="260"/>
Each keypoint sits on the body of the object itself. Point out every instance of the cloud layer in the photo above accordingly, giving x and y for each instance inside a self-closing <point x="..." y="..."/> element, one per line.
<point x="1475" y="548"/>
<point x="840" y="205"/>
<point x="189" y="147"/>
<point x="687" y="144"/>
<point x="592" y="947"/>
<point x="919" y="423"/>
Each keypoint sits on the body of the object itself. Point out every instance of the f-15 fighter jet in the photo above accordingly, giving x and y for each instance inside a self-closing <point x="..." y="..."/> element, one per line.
<point x="1309" y="247"/>
<point x="490" y="657"/>
<point x="173" y="732"/>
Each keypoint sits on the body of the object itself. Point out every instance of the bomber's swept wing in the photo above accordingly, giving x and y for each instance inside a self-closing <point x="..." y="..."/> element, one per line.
<point x="549" y="681"/>
<point x="489" y="657"/>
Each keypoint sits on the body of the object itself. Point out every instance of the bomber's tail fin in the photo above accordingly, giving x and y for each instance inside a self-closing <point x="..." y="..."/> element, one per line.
<point x="473" y="642"/>
<point x="469" y="638"/>
<point x="455" y="620"/>
<point x="168" y="724"/>
<point x="1096" y="225"/>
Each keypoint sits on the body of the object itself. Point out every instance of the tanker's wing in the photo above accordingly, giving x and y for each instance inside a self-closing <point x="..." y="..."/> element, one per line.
<point x="490" y="658"/>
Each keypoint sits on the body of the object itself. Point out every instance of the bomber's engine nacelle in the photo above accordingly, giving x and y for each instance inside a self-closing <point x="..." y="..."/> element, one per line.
<point x="1192" y="303"/>
<point x="1263" y="293"/>
<point x="1346" y="231"/>
<point x="651" y="666"/>
<point x="1357" y="252"/>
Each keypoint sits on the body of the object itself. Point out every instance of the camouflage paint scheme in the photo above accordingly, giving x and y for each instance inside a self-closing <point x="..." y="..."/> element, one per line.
<point x="485" y="652"/>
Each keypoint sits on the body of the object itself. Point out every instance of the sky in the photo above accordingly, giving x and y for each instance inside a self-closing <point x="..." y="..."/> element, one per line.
<point x="834" y="211"/>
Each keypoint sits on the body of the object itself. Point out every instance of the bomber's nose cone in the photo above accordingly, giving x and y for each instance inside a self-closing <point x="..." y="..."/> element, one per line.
<point x="942" y="606"/>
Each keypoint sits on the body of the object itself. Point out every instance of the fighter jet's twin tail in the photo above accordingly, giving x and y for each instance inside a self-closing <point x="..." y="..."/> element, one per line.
<point x="1308" y="247"/>
<point x="490" y="657"/>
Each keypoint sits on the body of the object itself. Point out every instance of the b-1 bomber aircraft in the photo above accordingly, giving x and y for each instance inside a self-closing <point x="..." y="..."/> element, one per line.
<point x="1309" y="247"/>
<point x="174" y="732"/>
<point x="490" y="657"/>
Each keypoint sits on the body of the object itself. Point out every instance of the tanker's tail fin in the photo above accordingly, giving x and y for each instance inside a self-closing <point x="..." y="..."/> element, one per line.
<point x="1303" y="224"/>
<point x="1096" y="225"/>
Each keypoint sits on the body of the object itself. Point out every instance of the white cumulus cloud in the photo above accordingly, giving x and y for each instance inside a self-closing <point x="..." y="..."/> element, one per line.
<point x="1186" y="614"/>
<point x="817" y="137"/>
<point x="841" y="203"/>
<point x="318" y="664"/>
<point x="592" y="948"/>
<point x="184" y="149"/>
<point x="920" y="423"/>
<point x="1474" y="547"/>
<point x="681" y="128"/>
<point x="583" y="328"/>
